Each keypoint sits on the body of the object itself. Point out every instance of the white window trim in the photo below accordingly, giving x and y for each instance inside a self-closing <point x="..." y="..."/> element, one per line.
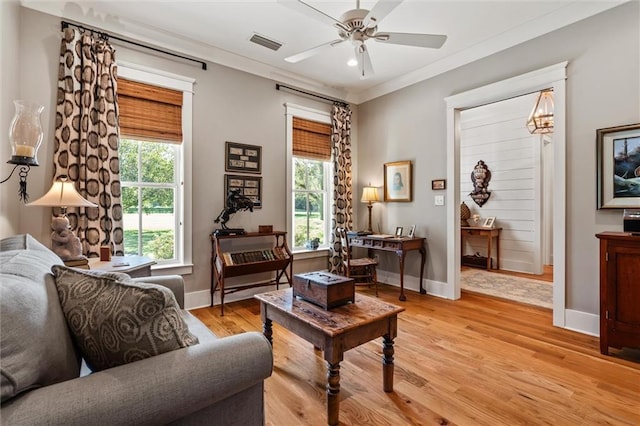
<point x="148" y="75"/>
<point x="293" y="110"/>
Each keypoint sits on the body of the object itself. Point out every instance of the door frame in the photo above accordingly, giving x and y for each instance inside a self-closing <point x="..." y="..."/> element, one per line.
<point x="553" y="77"/>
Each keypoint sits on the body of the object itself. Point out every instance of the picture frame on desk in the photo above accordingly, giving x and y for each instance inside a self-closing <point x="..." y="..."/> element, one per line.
<point x="412" y="231"/>
<point x="399" y="231"/>
<point x="489" y="222"/>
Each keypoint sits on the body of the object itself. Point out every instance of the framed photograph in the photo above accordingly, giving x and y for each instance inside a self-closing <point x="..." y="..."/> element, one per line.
<point x="249" y="186"/>
<point x="438" y="184"/>
<point x="398" y="177"/>
<point x="618" y="155"/>
<point x="399" y="231"/>
<point x="489" y="222"/>
<point x="242" y="158"/>
<point x="412" y="231"/>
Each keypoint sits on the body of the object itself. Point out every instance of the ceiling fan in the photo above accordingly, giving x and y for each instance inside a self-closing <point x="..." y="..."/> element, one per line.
<point x="358" y="26"/>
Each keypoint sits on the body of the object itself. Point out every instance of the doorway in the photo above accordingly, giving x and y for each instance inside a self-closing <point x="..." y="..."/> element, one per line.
<point x="550" y="77"/>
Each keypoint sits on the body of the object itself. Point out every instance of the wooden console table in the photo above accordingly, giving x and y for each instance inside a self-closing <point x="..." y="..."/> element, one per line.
<point x="334" y="331"/>
<point x="400" y="246"/>
<point x="489" y="234"/>
<point x="224" y="265"/>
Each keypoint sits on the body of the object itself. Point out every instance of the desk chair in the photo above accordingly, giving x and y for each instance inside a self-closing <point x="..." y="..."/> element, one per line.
<point x="362" y="270"/>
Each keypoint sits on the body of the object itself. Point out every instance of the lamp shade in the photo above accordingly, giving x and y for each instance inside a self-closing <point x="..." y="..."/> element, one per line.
<point x="370" y="194"/>
<point x="541" y="118"/>
<point x="62" y="194"/>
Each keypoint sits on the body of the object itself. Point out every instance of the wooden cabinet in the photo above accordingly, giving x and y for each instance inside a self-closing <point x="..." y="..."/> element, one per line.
<point x="619" y="290"/>
<point x="228" y="263"/>
<point x="489" y="234"/>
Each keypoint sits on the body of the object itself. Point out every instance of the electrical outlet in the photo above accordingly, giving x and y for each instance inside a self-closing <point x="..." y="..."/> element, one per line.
<point x="438" y="200"/>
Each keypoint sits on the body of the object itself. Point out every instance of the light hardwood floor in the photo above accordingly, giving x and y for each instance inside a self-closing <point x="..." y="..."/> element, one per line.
<point x="476" y="361"/>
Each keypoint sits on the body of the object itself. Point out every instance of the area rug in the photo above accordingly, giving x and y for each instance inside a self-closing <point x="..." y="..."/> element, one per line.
<point x="507" y="287"/>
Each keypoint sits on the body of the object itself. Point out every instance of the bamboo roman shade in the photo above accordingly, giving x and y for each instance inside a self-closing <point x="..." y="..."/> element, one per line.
<point x="311" y="139"/>
<point x="149" y="112"/>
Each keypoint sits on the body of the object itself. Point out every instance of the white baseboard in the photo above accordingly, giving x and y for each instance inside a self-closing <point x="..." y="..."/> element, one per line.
<point x="434" y="288"/>
<point x="582" y="322"/>
<point x="202" y="298"/>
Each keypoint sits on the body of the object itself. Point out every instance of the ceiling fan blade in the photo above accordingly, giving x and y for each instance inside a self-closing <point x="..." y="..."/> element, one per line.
<point x="313" y="51"/>
<point x="379" y="11"/>
<point x="434" y="41"/>
<point x="364" y="61"/>
<point x="312" y="12"/>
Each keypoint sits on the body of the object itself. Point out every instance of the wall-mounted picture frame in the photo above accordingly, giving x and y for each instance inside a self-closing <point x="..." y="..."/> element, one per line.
<point x="412" y="231"/>
<point x="489" y="222"/>
<point x="438" y="184"/>
<point x="399" y="231"/>
<point x="249" y="186"/>
<point x="398" y="178"/>
<point x="618" y="156"/>
<point x="242" y="158"/>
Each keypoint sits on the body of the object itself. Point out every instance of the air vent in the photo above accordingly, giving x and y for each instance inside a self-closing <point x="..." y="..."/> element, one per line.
<point x="263" y="41"/>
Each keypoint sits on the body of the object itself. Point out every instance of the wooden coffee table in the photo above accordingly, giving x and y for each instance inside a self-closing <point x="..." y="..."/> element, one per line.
<point x="334" y="331"/>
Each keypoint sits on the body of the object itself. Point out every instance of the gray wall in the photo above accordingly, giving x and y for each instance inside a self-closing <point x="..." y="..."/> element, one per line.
<point x="229" y="105"/>
<point x="602" y="90"/>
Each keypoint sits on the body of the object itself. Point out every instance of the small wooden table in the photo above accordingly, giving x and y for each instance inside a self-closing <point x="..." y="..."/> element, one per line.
<point x="398" y="245"/>
<point x="334" y="331"/>
<point x="132" y="265"/>
<point x="489" y="234"/>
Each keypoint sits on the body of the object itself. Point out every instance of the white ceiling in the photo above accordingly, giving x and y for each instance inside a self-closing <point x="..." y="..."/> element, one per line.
<point x="219" y="31"/>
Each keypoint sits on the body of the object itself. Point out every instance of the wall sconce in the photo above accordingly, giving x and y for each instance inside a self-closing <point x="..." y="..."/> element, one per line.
<point x="63" y="194"/>
<point x="541" y="118"/>
<point x="370" y="195"/>
<point x="25" y="137"/>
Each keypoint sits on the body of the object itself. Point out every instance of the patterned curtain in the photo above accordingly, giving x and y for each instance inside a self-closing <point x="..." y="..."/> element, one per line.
<point x="342" y="194"/>
<point x="86" y="137"/>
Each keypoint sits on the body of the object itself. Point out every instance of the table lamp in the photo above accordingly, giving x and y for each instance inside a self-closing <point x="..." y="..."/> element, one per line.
<point x="370" y="195"/>
<point x="63" y="194"/>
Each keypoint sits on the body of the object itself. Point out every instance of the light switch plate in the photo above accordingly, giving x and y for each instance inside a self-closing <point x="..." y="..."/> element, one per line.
<point x="438" y="200"/>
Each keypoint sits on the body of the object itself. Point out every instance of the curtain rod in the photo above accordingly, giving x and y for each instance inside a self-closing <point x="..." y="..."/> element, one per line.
<point x="107" y="36"/>
<point x="333" y="100"/>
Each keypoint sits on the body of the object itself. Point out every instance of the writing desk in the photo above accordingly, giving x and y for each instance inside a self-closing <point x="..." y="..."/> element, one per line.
<point x="400" y="246"/>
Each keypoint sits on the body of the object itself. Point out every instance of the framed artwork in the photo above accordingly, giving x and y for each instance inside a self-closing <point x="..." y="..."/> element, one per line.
<point x="398" y="177"/>
<point x="489" y="222"/>
<point x="618" y="156"/>
<point x="412" y="231"/>
<point x="242" y="158"/>
<point x="438" y="184"/>
<point x="249" y="186"/>
<point x="399" y="231"/>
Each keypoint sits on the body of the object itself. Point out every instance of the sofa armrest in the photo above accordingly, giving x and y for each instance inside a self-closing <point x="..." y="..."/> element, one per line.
<point x="175" y="283"/>
<point x="155" y="390"/>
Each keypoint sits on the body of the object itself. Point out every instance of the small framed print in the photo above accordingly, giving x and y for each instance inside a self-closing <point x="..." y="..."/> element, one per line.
<point x="249" y="186"/>
<point x="399" y="231"/>
<point x="243" y="158"/>
<point x="618" y="155"/>
<point x="489" y="222"/>
<point x="438" y="184"/>
<point x="412" y="231"/>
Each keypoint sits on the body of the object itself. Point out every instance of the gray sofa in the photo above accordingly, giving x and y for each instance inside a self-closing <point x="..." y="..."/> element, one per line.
<point x="217" y="381"/>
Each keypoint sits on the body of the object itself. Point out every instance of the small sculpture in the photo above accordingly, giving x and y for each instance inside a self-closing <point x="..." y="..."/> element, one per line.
<point x="480" y="176"/>
<point x="63" y="242"/>
<point x="235" y="202"/>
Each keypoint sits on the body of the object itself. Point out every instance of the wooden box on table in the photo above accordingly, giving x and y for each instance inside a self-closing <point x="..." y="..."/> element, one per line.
<point x="324" y="289"/>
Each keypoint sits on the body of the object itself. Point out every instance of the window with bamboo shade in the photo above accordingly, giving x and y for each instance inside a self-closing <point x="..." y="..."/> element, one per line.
<point x="149" y="112"/>
<point x="311" y="139"/>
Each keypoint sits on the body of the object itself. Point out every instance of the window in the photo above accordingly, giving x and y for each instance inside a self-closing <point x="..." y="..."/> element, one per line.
<point x="154" y="151"/>
<point x="310" y="188"/>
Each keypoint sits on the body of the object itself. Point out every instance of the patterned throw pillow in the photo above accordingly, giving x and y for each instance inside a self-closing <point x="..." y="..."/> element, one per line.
<point x="115" y="321"/>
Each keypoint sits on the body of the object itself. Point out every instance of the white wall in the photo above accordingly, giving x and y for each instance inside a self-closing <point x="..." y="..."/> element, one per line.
<point x="598" y="95"/>
<point x="497" y="134"/>
<point x="228" y="105"/>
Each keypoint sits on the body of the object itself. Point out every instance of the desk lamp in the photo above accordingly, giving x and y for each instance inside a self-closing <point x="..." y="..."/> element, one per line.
<point x="63" y="194"/>
<point x="370" y="195"/>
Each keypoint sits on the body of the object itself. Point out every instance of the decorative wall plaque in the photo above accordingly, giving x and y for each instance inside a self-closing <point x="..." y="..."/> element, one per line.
<point x="480" y="176"/>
